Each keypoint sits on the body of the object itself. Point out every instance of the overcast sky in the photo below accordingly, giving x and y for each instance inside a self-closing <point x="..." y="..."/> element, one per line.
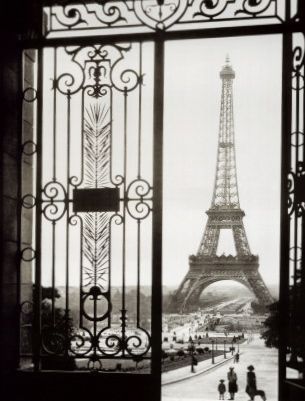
<point x="192" y="106"/>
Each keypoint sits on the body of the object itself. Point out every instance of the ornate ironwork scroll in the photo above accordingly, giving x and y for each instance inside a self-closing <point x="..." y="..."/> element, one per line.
<point x="295" y="355"/>
<point x="92" y="144"/>
<point x="154" y="15"/>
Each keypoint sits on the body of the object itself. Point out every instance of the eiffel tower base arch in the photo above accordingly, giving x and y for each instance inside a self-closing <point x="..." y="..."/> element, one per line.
<point x="206" y="270"/>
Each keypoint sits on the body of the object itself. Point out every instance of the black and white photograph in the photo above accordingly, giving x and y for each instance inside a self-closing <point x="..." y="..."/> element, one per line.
<point x="152" y="200"/>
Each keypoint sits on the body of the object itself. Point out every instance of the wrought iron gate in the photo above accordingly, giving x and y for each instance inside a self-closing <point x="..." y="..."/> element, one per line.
<point x="94" y="203"/>
<point x="96" y="154"/>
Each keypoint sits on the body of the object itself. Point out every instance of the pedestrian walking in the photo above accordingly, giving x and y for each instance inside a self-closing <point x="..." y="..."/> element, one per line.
<point x="236" y="358"/>
<point x="251" y="388"/>
<point x="232" y="379"/>
<point x="221" y="389"/>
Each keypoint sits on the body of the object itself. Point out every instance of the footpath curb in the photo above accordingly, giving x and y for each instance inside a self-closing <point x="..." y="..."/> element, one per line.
<point x="201" y="372"/>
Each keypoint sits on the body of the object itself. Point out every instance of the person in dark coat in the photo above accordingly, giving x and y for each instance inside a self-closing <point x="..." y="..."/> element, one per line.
<point x="221" y="389"/>
<point x="251" y="388"/>
<point x="232" y="379"/>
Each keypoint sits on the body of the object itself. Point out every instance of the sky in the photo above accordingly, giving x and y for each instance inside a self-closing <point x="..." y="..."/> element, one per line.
<point x="192" y="106"/>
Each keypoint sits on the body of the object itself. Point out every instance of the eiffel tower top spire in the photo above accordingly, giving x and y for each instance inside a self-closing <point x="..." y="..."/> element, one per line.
<point x="225" y="195"/>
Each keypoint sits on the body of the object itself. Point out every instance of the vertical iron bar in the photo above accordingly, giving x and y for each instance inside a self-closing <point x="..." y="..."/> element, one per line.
<point x="81" y="284"/>
<point x="301" y="295"/>
<point x="54" y="179"/>
<point x="110" y="220"/>
<point x="293" y="290"/>
<point x="54" y="113"/>
<point x="139" y="176"/>
<point x="123" y="317"/>
<point x="302" y="261"/>
<point x="138" y="269"/>
<point x="285" y="219"/>
<point x="19" y="190"/>
<point x="140" y="111"/>
<point x="109" y="266"/>
<point x="37" y="287"/>
<point x="156" y="326"/>
<point x="67" y="223"/>
<point x="53" y="273"/>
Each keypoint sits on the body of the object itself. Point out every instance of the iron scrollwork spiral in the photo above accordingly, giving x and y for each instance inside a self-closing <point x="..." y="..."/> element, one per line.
<point x="298" y="69"/>
<point x="296" y="178"/>
<point x="254" y="7"/>
<point x="68" y="84"/>
<point x="70" y="16"/>
<point x="212" y="8"/>
<point x="296" y="185"/>
<point x="136" y="342"/>
<point x="53" y="341"/>
<point x="139" y="197"/>
<point x="298" y="58"/>
<point x="54" y="201"/>
<point x="81" y="342"/>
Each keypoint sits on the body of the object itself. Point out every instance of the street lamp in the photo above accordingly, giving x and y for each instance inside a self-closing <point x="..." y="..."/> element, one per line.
<point x="213" y="361"/>
<point x="216" y="343"/>
<point x="192" y="349"/>
<point x="224" y="349"/>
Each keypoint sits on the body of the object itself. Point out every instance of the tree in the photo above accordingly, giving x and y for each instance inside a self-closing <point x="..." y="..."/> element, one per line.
<point x="258" y="308"/>
<point x="271" y="334"/>
<point x="295" y="327"/>
<point x="60" y="320"/>
<point x="57" y="328"/>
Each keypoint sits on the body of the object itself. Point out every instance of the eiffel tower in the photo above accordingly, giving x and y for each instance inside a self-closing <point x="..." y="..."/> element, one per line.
<point x="206" y="267"/>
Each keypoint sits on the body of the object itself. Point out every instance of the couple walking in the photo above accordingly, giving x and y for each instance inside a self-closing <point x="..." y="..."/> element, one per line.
<point x="232" y="380"/>
<point x="251" y="388"/>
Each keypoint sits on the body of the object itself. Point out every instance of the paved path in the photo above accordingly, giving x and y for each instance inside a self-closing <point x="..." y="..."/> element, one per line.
<point x="204" y="387"/>
<point x="184" y="373"/>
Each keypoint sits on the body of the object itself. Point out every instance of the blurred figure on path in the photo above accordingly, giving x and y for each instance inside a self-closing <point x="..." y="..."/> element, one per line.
<point x="232" y="379"/>
<point x="221" y="389"/>
<point x="251" y="388"/>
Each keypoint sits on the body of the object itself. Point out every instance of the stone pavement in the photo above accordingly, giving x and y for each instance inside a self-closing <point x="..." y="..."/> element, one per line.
<point x="204" y="386"/>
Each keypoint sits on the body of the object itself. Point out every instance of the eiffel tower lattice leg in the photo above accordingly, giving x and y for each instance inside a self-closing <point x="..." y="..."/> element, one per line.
<point x="179" y="296"/>
<point x="191" y="297"/>
<point x="260" y="289"/>
<point x="240" y="240"/>
<point x="208" y="245"/>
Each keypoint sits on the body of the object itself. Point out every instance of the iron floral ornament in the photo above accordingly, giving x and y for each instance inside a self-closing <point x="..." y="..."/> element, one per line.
<point x="157" y="15"/>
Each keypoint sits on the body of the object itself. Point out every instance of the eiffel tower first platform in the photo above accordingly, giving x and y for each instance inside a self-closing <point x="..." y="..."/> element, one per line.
<point x="206" y="267"/>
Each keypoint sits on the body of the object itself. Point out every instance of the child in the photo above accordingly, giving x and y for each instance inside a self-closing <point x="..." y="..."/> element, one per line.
<point x="221" y="389"/>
